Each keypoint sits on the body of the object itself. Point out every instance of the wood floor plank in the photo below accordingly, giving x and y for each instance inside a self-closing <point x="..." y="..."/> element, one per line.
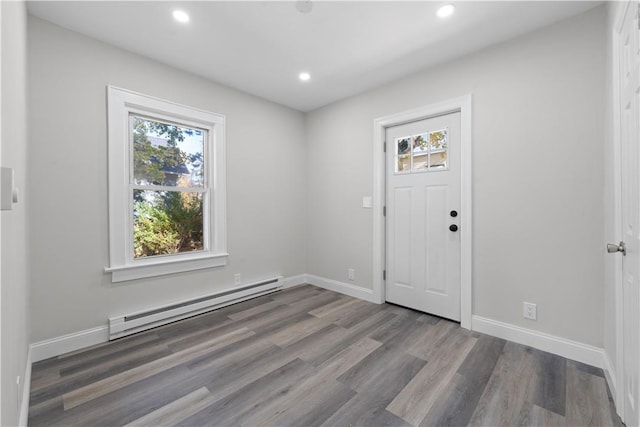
<point x="586" y="397"/>
<point x="550" y="382"/>
<point x="508" y="388"/>
<point x="315" y="301"/>
<point x="107" y="368"/>
<point x="325" y="342"/>
<point x="313" y="408"/>
<point x="318" y="396"/>
<point x="191" y="325"/>
<point x="385" y="370"/>
<point x="296" y="294"/>
<point x="228" y="357"/>
<point x="349" y="357"/>
<point x="458" y="402"/>
<point x="364" y="410"/>
<point x="176" y="411"/>
<point x="231" y="378"/>
<point x="417" y="398"/>
<point x="102" y="387"/>
<point x="250" y="398"/>
<point x="153" y="349"/>
<point x="128" y="403"/>
<point x="400" y="332"/>
<point x="338" y="306"/>
<point x="344" y="315"/>
<point x="360" y="312"/>
<point x="46" y="411"/>
<point x="45" y="370"/>
<point x="297" y="331"/>
<point x="256" y="309"/>
<point x="533" y="416"/>
<point x="431" y="338"/>
<point x="357" y="331"/>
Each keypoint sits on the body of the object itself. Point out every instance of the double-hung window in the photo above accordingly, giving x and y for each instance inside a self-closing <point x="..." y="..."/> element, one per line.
<point x="166" y="187"/>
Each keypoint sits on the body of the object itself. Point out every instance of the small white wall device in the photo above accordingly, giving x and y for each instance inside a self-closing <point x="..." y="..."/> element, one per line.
<point x="8" y="193"/>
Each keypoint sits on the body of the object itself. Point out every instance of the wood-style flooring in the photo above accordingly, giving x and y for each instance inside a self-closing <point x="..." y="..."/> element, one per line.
<point x="311" y="357"/>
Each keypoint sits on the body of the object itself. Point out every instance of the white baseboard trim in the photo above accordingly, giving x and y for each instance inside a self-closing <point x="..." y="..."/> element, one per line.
<point x="610" y="375"/>
<point x="574" y="350"/>
<point x="289" y="282"/>
<point x="70" y="342"/>
<point x="341" y="287"/>
<point x="23" y="416"/>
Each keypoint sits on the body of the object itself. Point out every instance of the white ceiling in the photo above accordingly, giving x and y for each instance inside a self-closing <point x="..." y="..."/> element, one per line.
<point x="347" y="46"/>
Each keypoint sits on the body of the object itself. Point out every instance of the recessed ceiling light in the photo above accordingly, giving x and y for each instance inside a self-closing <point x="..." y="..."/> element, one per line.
<point x="446" y="10"/>
<point x="304" y="76"/>
<point x="180" y="16"/>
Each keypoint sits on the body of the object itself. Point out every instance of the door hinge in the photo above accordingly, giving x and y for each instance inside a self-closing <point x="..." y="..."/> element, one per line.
<point x="384" y="211"/>
<point x="384" y="274"/>
<point x="384" y="146"/>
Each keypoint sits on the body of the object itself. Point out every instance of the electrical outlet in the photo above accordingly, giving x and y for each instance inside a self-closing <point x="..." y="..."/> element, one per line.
<point x="351" y="273"/>
<point x="237" y="280"/>
<point x="530" y="311"/>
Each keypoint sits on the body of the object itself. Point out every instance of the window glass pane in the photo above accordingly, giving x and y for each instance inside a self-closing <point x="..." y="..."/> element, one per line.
<point x="420" y="152"/>
<point x="438" y="149"/>
<point x="403" y="154"/>
<point x="166" y="222"/>
<point x="166" y="154"/>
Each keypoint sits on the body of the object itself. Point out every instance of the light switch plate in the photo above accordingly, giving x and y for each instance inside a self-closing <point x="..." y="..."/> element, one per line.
<point x="367" y="202"/>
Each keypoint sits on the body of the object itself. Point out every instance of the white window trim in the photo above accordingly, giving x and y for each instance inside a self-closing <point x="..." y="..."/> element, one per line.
<point x="122" y="266"/>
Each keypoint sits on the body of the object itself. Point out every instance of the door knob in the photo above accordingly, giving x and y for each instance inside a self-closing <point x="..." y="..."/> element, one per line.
<point x="612" y="249"/>
<point x="453" y="214"/>
<point x="453" y="227"/>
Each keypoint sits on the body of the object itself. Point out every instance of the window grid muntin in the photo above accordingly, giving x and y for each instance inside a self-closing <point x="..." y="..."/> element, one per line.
<point x="429" y="167"/>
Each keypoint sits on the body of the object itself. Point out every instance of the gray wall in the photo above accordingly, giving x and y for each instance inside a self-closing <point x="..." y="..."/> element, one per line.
<point x="15" y="276"/>
<point x="68" y="158"/>
<point x="537" y="175"/>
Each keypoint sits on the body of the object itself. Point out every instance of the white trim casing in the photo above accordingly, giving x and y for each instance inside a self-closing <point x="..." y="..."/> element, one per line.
<point x="42" y="350"/>
<point x="610" y="374"/>
<point x="122" y="103"/>
<point x="184" y="263"/>
<point x="23" y="416"/>
<point x="343" y="288"/>
<point x="463" y="105"/>
<point x="573" y="350"/>
<point x="290" y="282"/>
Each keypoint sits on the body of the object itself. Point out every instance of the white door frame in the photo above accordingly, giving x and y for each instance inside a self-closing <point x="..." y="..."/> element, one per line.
<point x="463" y="105"/>
<point x="618" y="375"/>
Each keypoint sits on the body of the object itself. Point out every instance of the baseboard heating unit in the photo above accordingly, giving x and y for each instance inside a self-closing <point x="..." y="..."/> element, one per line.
<point x="140" y="321"/>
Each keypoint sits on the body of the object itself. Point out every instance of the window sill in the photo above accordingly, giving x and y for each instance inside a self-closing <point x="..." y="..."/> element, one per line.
<point x="165" y="265"/>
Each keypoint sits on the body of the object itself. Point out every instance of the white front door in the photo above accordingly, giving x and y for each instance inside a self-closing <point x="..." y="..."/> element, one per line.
<point x="423" y="215"/>
<point x="629" y="87"/>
